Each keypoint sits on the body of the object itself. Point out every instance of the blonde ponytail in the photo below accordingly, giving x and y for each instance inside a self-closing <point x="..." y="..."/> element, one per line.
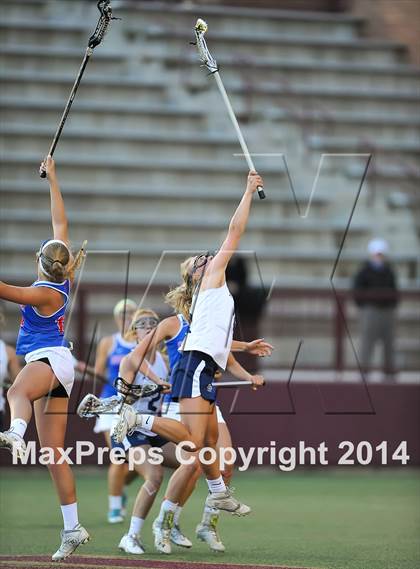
<point x="180" y="298"/>
<point x="77" y="261"/>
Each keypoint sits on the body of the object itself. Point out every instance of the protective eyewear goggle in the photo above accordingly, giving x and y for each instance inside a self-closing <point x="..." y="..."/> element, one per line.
<point x="146" y="323"/>
<point x="201" y="260"/>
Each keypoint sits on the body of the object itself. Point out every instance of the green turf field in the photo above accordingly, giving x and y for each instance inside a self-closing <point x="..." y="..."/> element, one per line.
<point x="336" y="520"/>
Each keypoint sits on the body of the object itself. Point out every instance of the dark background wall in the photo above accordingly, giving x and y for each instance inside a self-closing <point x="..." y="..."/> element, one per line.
<point x="308" y="412"/>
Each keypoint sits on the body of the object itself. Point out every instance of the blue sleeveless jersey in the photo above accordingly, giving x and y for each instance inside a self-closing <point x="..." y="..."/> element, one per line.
<point x="37" y="331"/>
<point x="172" y="349"/>
<point x="119" y="349"/>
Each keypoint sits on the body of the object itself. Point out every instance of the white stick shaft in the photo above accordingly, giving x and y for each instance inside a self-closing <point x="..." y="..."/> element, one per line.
<point x="231" y="383"/>
<point x="234" y="120"/>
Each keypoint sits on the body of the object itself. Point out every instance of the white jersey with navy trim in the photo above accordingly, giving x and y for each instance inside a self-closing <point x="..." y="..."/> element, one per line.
<point x="213" y="318"/>
<point x="153" y="404"/>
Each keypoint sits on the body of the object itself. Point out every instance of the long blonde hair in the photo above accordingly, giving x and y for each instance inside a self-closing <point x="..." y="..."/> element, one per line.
<point x="180" y="298"/>
<point x="54" y="260"/>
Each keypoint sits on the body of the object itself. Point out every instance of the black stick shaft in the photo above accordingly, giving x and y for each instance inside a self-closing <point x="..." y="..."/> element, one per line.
<point x="69" y="103"/>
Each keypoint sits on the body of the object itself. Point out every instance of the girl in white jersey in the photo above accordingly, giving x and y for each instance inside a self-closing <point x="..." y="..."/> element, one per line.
<point x="204" y="293"/>
<point x="47" y="379"/>
<point x="173" y="331"/>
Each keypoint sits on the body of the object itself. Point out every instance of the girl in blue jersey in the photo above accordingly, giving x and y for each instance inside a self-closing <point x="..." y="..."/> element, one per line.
<point x="109" y="353"/>
<point x="46" y="380"/>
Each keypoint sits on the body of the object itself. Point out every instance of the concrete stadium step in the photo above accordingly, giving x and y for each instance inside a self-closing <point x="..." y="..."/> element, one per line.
<point x="60" y="59"/>
<point x="397" y="149"/>
<point x="269" y="261"/>
<point x="23" y="8"/>
<point x="294" y="71"/>
<point x="129" y="143"/>
<point x="96" y="170"/>
<point x="258" y="97"/>
<point x="166" y="38"/>
<point x="383" y="126"/>
<point x="149" y="199"/>
<point x="98" y="87"/>
<point x="122" y="226"/>
<point x="246" y="20"/>
<point x="45" y="32"/>
<point x="104" y="114"/>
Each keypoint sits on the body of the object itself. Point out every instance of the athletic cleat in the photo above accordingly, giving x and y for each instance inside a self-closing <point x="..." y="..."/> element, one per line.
<point x="115" y="516"/>
<point x="225" y="501"/>
<point x="162" y="532"/>
<point x="126" y="423"/>
<point x="178" y="538"/>
<point x="207" y="531"/>
<point x="70" y="541"/>
<point x="13" y="442"/>
<point x="131" y="544"/>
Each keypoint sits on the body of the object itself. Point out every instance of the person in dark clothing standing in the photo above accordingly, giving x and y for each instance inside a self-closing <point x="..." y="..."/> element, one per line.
<point x="376" y="294"/>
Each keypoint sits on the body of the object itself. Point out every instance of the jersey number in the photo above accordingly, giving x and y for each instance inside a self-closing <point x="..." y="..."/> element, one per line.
<point x="153" y="406"/>
<point x="60" y="324"/>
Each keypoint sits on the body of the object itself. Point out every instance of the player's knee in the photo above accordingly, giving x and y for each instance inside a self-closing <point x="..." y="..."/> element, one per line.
<point x="13" y="392"/>
<point x="152" y="484"/>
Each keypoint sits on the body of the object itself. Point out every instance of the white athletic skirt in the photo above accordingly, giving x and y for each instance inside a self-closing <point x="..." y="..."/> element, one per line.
<point x="172" y="411"/>
<point x="61" y="362"/>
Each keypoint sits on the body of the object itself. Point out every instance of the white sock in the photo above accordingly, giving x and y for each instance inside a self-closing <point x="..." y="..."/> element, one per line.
<point x="216" y="485"/>
<point x="167" y="506"/>
<point x="19" y="427"/>
<point x="209" y="510"/>
<point x="70" y="517"/>
<point x="177" y="515"/>
<point x="145" y="421"/>
<point x="115" y="502"/>
<point x="135" y="525"/>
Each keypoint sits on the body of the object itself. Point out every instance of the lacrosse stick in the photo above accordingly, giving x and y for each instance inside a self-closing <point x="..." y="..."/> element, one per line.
<point x="132" y="392"/>
<point x="234" y="384"/>
<point x="207" y="59"/>
<point x="104" y="7"/>
<point x="92" y="406"/>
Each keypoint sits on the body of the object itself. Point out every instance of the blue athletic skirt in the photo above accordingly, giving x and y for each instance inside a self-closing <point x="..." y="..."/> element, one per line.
<point x="138" y="439"/>
<point x="193" y="376"/>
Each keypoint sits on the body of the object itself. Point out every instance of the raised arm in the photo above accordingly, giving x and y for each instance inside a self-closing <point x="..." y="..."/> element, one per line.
<point x="135" y="361"/>
<point x="215" y="273"/>
<point x="58" y="211"/>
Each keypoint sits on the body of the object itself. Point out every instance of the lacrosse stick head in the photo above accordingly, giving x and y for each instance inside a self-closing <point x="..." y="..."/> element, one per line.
<point x="92" y="406"/>
<point x="205" y="56"/>
<point x="132" y="393"/>
<point x="104" y="7"/>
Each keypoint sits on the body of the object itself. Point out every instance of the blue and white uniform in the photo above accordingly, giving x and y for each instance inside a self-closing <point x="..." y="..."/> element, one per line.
<point x="43" y="336"/>
<point x="207" y="345"/>
<point x="171" y="409"/>
<point x="118" y="350"/>
<point x="150" y="405"/>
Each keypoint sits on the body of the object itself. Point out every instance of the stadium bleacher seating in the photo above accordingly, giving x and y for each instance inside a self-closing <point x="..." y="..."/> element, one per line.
<point x="147" y="160"/>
